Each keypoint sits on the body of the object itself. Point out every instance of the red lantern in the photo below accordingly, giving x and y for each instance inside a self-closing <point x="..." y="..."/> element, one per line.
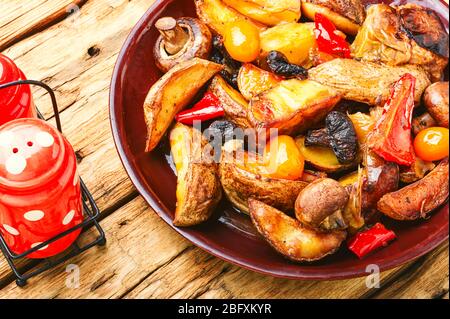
<point x="40" y="194"/>
<point x="16" y="101"/>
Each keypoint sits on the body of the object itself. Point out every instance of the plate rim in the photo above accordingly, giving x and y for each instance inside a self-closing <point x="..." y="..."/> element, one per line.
<point x="152" y="199"/>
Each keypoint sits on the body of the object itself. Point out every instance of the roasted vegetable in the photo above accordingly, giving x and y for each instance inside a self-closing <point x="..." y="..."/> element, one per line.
<point x="266" y="11"/>
<point x="253" y="80"/>
<point x="180" y="40"/>
<point x="432" y="144"/>
<point x="221" y="56"/>
<point x="218" y="16"/>
<point x="346" y="15"/>
<point x="322" y="158"/>
<point x="411" y="174"/>
<point x="418" y="199"/>
<point x="353" y="210"/>
<point x="235" y="106"/>
<point x="241" y="40"/>
<point x="172" y="93"/>
<point x="371" y="239"/>
<point x="363" y="124"/>
<point x="407" y="34"/>
<point x="328" y="40"/>
<point x="240" y="183"/>
<point x="422" y="122"/>
<point x="289" y="237"/>
<point x="320" y="201"/>
<point x="294" y="40"/>
<point x="311" y="176"/>
<point x="279" y="64"/>
<point x="436" y="102"/>
<point x="198" y="184"/>
<point x="209" y="107"/>
<point x="364" y="81"/>
<point x="292" y="106"/>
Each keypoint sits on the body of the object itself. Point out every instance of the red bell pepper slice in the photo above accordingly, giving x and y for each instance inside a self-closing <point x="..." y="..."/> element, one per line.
<point x="327" y="40"/>
<point x="391" y="137"/>
<point x="207" y="108"/>
<point x="371" y="239"/>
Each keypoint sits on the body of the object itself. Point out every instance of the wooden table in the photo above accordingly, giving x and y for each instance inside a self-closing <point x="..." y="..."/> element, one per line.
<point x="144" y="257"/>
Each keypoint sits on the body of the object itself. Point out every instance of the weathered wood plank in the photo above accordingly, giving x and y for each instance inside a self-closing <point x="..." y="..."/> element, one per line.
<point x="139" y="242"/>
<point x="21" y="19"/>
<point x="428" y="279"/>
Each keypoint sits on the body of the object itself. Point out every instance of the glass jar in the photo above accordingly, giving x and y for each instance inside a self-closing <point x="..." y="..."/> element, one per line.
<point x="16" y="101"/>
<point x="40" y="193"/>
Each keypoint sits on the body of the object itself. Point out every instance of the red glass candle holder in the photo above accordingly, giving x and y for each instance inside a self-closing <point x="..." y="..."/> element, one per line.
<point x="16" y="101"/>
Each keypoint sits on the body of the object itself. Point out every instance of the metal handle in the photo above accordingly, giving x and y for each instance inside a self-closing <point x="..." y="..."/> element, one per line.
<point x="44" y="86"/>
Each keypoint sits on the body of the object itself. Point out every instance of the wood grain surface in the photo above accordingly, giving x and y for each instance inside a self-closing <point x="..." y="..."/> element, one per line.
<point x="144" y="258"/>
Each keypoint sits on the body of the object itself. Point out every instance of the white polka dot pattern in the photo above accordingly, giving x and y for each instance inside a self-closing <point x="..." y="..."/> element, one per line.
<point x="69" y="217"/>
<point x="6" y="139"/>
<point x="16" y="164"/>
<point x="44" y="139"/>
<point x="34" y="215"/>
<point x="11" y="230"/>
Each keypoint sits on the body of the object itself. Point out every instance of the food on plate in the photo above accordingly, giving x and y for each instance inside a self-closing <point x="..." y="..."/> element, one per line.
<point x="218" y="16"/>
<point x="230" y="66"/>
<point x="371" y="239"/>
<point x="321" y="203"/>
<point x="181" y="40"/>
<point x="422" y="122"/>
<point x="294" y="40"/>
<point x="419" y="198"/>
<point x="431" y="144"/>
<point x="346" y="15"/>
<point x="366" y="82"/>
<point x="292" y="106"/>
<point x="173" y="92"/>
<point x="311" y="175"/>
<point x="408" y="34"/>
<point x="243" y="177"/>
<point x="322" y="158"/>
<point x="209" y="107"/>
<point x="363" y="124"/>
<point x="241" y="40"/>
<point x="253" y="80"/>
<point x="353" y="210"/>
<point x="411" y="174"/>
<point x="436" y="102"/>
<point x="268" y="12"/>
<point x="198" y="183"/>
<point x="329" y="41"/>
<point x="279" y="64"/>
<point x="338" y="134"/>
<point x="289" y="237"/>
<point x="235" y="106"/>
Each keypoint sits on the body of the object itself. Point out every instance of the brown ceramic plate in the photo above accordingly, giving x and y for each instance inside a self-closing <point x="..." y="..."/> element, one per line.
<point x="230" y="235"/>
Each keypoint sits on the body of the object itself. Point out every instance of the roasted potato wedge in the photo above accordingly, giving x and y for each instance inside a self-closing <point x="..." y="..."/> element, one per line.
<point x="436" y="102"/>
<point x="292" y="106"/>
<point x="253" y="80"/>
<point x="418" y="199"/>
<point x="289" y="237"/>
<point x="346" y="15"/>
<point x="416" y="171"/>
<point x="322" y="158"/>
<point x="266" y="11"/>
<point x="234" y="104"/>
<point x="240" y="184"/>
<point x="173" y="92"/>
<point x="294" y="40"/>
<point x="353" y="210"/>
<point x="217" y="15"/>
<point x="366" y="82"/>
<point x="198" y="183"/>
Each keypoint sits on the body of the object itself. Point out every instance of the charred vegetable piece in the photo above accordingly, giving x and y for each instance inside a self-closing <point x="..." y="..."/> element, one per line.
<point x="209" y="107"/>
<point x="318" y="137"/>
<point x="391" y="138"/>
<point x="253" y="80"/>
<point x="327" y="39"/>
<point x="221" y="56"/>
<point x="279" y="65"/>
<point x="367" y="241"/>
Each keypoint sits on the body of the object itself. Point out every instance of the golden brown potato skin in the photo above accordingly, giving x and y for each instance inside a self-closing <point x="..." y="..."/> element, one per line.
<point x="351" y="9"/>
<point x="318" y="200"/>
<point x="418" y="199"/>
<point x="198" y="183"/>
<point x="436" y="102"/>
<point x="173" y="92"/>
<point x="366" y="82"/>
<point x="289" y="237"/>
<point x="239" y="185"/>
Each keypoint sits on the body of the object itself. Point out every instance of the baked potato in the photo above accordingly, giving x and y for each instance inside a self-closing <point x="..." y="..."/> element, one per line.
<point x="411" y="174"/>
<point x="198" y="184"/>
<point x="346" y="15"/>
<point x="234" y="104"/>
<point x="253" y="80"/>
<point x="240" y="184"/>
<point x="289" y="237"/>
<point x="292" y="106"/>
<point x="366" y="82"/>
<point x="173" y="92"/>
<point x="217" y="15"/>
<point x="436" y="102"/>
<point x="266" y="11"/>
<point x="419" y="198"/>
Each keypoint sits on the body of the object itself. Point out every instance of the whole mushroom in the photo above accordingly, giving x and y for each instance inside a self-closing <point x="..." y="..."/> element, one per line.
<point x="180" y="40"/>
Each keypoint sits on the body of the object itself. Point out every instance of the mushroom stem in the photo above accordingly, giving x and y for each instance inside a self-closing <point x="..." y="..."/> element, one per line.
<point x="174" y="36"/>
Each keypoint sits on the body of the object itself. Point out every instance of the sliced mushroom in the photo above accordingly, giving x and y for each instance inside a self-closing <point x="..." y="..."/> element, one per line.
<point x="180" y="40"/>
